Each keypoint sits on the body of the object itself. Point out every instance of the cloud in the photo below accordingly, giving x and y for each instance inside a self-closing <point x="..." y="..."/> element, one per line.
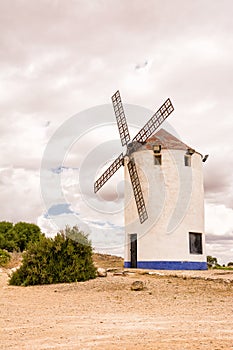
<point x="219" y="232"/>
<point x="59" y="169"/>
<point x="20" y="195"/>
<point x="219" y="219"/>
<point x="221" y="249"/>
<point x="218" y="179"/>
<point x="78" y="58"/>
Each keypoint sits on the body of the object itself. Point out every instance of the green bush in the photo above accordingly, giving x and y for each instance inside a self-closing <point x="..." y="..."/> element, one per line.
<point x="212" y="261"/>
<point x="6" y="241"/>
<point x="4" y="257"/>
<point x="17" y="237"/>
<point x="66" y="258"/>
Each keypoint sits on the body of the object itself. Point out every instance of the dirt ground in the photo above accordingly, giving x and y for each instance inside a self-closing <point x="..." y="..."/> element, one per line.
<point x="176" y="310"/>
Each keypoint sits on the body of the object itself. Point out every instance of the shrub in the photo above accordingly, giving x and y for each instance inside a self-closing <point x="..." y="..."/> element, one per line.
<point x="66" y="258"/>
<point x="24" y="233"/>
<point x="4" y="257"/>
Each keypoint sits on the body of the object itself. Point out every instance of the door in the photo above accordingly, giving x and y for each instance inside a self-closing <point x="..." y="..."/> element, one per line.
<point x="133" y="250"/>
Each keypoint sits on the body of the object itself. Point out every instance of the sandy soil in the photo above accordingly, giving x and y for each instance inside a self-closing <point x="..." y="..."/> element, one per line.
<point x="176" y="310"/>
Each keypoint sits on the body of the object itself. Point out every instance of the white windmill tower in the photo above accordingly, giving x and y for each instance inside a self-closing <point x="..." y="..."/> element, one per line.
<point x="164" y="207"/>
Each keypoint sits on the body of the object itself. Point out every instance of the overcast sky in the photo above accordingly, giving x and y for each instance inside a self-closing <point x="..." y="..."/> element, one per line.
<point x="58" y="59"/>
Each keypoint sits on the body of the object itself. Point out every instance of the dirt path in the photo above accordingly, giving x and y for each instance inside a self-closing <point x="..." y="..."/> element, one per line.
<point x="175" y="313"/>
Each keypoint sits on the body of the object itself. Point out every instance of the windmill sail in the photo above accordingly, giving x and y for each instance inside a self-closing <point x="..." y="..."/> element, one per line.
<point x="149" y="128"/>
<point x="109" y="172"/>
<point x="155" y="121"/>
<point x="121" y="119"/>
<point x="137" y="191"/>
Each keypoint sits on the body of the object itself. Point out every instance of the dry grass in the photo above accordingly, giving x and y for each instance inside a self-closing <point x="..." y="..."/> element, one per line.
<point x="100" y="260"/>
<point x="15" y="261"/>
<point x="108" y="261"/>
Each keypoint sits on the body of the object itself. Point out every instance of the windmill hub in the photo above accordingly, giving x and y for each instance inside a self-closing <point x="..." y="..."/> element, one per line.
<point x="133" y="147"/>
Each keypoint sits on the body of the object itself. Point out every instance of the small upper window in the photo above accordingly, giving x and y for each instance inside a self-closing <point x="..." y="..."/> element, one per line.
<point x="187" y="160"/>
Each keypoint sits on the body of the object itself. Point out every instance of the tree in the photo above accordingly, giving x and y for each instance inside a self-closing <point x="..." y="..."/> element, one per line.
<point x="211" y="261"/>
<point x="6" y="242"/>
<point x="66" y="258"/>
<point x="16" y="237"/>
<point x="25" y="233"/>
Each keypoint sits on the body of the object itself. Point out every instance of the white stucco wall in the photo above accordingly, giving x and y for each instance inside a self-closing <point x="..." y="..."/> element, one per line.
<point x="174" y="199"/>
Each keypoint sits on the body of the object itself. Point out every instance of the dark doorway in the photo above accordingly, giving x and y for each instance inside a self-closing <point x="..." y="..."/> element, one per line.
<point x="133" y="250"/>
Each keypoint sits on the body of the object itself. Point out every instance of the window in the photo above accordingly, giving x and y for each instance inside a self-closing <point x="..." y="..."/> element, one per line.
<point x="157" y="154"/>
<point x="195" y="243"/>
<point x="187" y="160"/>
<point x="157" y="148"/>
<point x="157" y="159"/>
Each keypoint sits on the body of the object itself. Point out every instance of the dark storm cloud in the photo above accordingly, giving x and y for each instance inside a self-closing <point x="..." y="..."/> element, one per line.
<point x="211" y="238"/>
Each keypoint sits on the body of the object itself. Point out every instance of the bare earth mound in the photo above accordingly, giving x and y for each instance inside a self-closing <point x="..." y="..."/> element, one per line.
<point x="175" y="310"/>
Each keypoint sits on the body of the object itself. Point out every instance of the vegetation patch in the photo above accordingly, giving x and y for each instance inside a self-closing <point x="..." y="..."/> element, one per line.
<point x="63" y="259"/>
<point x="17" y="237"/>
<point x="4" y="257"/>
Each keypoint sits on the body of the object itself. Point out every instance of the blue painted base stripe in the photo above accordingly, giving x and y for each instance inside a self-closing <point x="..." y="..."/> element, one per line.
<point x="169" y="265"/>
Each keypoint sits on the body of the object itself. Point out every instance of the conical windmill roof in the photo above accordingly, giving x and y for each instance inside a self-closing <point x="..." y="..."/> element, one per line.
<point x="166" y="140"/>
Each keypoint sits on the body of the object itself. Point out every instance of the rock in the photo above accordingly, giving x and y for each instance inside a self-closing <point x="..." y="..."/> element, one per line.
<point x="101" y="272"/>
<point x="12" y="270"/>
<point x="156" y="273"/>
<point x="227" y="281"/>
<point x="119" y="273"/>
<point x="112" y="269"/>
<point x="137" y="285"/>
<point x="15" y="269"/>
<point x="130" y="273"/>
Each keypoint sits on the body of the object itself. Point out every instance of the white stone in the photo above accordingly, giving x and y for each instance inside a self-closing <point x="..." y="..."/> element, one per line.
<point x="101" y="272"/>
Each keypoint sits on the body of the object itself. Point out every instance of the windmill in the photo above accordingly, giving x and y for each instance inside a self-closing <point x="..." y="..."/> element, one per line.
<point x="169" y="233"/>
<point x="142" y="136"/>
